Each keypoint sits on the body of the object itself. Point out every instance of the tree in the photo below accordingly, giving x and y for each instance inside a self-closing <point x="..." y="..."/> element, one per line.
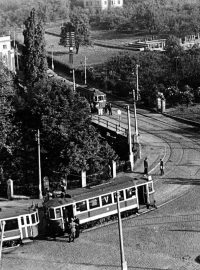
<point x="7" y="92"/>
<point x="80" y="21"/>
<point x="173" y="47"/>
<point x="34" y="53"/>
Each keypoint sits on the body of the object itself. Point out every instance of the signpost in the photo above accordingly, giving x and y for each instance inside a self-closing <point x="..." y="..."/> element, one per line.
<point x="119" y="118"/>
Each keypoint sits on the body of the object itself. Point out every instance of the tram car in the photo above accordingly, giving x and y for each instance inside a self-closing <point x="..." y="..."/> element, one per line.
<point x="95" y="97"/>
<point x="20" y="225"/>
<point x="99" y="205"/>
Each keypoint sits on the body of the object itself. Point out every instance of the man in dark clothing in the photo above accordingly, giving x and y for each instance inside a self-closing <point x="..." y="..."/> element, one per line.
<point x="76" y="220"/>
<point x="110" y="108"/>
<point x="161" y="167"/>
<point x="146" y="166"/>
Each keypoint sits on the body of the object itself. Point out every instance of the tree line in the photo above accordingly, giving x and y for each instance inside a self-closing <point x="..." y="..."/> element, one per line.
<point x="69" y="142"/>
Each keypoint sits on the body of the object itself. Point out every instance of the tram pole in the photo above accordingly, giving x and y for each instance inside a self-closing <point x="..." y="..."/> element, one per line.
<point x="123" y="261"/>
<point x="3" y="223"/>
<point x="130" y="139"/>
<point x="39" y="166"/>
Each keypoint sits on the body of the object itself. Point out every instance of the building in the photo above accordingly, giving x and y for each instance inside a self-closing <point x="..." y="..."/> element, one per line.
<point x="148" y="44"/>
<point x="7" y="54"/>
<point x="189" y="41"/>
<point x="102" y="4"/>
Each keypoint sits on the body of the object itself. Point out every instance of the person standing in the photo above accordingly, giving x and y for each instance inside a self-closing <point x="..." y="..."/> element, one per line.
<point x="161" y="167"/>
<point x="72" y="227"/>
<point x="110" y="108"/>
<point x="146" y="166"/>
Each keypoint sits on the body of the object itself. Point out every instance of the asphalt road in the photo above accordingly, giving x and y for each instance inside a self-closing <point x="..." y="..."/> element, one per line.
<point x="166" y="238"/>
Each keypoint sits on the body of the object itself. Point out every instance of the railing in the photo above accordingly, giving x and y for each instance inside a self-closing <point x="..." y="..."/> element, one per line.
<point x="110" y="125"/>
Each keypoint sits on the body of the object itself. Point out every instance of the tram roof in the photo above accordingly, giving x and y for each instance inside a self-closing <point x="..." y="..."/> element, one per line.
<point x="84" y="193"/>
<point x="14" y="211"/>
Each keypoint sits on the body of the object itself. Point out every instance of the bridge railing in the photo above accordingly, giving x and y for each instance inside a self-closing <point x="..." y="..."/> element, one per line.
<point x="110" y="125"/>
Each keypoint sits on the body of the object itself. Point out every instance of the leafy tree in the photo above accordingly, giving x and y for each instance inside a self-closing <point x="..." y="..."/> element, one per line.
<point x="80" y="21"/>
<point x="173" y="47"/>
<point x="7" y="93"/>
<point x="34" y="53"/>
<point x="69" y="143"/>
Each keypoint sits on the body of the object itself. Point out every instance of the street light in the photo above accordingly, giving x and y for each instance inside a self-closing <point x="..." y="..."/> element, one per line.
<point x="123" y="261"/>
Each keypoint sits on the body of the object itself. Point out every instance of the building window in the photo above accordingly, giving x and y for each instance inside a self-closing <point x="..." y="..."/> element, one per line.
<point x="86" y="4"/>
<point x="105" y="2"/>
<point x="4" y="47"/>
<point x="118" y="2"/>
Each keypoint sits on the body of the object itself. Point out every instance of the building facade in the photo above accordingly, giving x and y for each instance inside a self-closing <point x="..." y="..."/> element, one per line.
<point x="7" y="54"/>
<point x="189" y="41"/>
<point x="102" y="4"/>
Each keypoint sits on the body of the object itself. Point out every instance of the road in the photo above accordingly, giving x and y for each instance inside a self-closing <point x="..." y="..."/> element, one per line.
<point x="166" y="238"/>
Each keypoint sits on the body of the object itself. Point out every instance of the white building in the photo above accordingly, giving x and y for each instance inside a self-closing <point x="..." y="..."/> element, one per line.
<point x="102" y="4"/>
<point x="7" y="54"/>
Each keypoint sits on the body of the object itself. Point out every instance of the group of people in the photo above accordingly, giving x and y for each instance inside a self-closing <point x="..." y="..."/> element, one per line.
<point x="108" y="108"/>
<point x="146" y="167"/>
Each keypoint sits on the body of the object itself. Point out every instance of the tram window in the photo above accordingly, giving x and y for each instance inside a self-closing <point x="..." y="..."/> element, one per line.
<point x="81" y="206"/>
<point x="51" y="213"/>
<point x="106" y="199"/>
<point x="11" y="224"/>
<point x="121" y="196"/>
<point x="58" y="213"/>
<point x="27" y="220"/>
<point x="22" y="220"/>
<point x="33" y="218"/>
<point x="130" y="193"/>
<point x="95" y="98"/>
<point x="94" y="203"/>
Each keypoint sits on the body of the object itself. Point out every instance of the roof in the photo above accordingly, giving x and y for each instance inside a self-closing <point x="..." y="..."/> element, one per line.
<point x="14" y="211"/>
<point x="85" y="193"/>
<point x="58" y="201"/>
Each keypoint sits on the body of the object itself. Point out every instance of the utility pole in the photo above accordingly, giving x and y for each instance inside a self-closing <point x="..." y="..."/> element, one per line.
<point x="123" y="261"/>
<point x="3" y="223"/>
<point x="135" y="98"/>
<point x="39" y="166"/>
<point x="130" y="139"/>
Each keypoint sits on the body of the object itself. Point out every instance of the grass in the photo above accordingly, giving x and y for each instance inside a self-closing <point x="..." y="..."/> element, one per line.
<point x="192" y="112"/>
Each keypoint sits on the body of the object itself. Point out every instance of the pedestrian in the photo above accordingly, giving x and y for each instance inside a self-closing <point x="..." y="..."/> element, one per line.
<point x="110" y="108"/>
<point x="72" y="233"/>
<point x="161" y="167"/>
<point x="106" y="108"/>
<point x="63" y="186"/>
<point x="147" y="205"/>
<point x="154" y="204"/>
<point x="76" y="220"/>
<point x="146" y="166"/>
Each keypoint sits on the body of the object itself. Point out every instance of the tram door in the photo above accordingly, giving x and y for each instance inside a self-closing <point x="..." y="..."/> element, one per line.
<point x="68" y="212"/>
<point x="142" y="194"/>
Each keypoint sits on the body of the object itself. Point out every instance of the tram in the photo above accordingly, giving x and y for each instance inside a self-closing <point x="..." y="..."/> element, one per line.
<point x="96" y="98"/>
<point x="20" y="225"/>
<point x="99" y="205"/>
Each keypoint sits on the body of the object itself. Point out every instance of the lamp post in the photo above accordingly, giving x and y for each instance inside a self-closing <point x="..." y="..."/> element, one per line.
<point x="135" y="98"/>
<point x="39" y="165"/>
<point x="123" y="261"/>
<point x="130" y="139"/>
<point x="3" y="223"/>
<point x="52" y="64"/>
